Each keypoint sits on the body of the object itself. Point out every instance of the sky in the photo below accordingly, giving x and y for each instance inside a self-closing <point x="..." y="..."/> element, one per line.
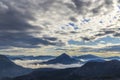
<point x="49" y="27"/>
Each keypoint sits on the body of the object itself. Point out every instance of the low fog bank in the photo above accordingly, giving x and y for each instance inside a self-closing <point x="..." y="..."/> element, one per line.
<point x="30" y="64"/>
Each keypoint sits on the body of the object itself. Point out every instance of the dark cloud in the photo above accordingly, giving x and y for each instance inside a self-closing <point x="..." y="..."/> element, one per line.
<point x="73" y="19"/>
<point x="86" y="39"/>
<point x="108" y="2"/>
<point x="23" y="40"/>
<point x="79" y="4"/>
<point x="60" y="43"/>
<point x="73" y="32"/>
<point x="61" y="33"/>
<point x="118" y="1"/>
<point x="85" y="7"/>
<point x="97" y="9"/>
<point x="116" y="35"/>
<point x="105" y="32"/>
<point x="13" y="19"/>
<point x="112" y="48"/>
<point x="14" y="27"/>
<point x="100" y="34"/>
<point x="50" y="38"/>
<point x="109" y="32"/>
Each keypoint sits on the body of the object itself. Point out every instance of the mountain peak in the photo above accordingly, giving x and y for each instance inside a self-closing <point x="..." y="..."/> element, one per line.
<point x="63" y="59"/>
<point x="64" y="55"/>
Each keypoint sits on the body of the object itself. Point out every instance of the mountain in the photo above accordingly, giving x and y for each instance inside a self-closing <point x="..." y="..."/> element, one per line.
<point x="10" y="69"/>
<point x="62" y="59"/>
<point x="87" y="56"/>
<point x="109" y="70"/>
<point x="96" y="60"/>
<point x="47" y="57"/>
<point x="113" y="58"/>
<point x="22" y="57"/>
<point x="99" y="69"/>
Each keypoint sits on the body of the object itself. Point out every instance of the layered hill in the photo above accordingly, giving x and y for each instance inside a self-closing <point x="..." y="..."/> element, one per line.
<point x="109" y="70"/>
<point x="10" y="69"/>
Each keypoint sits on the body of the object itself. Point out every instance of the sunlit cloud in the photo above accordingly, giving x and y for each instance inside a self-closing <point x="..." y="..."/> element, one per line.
<point x="39" y="24"/>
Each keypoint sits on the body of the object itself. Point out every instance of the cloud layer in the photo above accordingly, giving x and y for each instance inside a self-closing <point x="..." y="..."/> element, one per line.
<point x="32" y="23"/>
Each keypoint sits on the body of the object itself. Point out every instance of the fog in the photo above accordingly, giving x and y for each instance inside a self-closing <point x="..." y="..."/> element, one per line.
<point x="31" y="64"/>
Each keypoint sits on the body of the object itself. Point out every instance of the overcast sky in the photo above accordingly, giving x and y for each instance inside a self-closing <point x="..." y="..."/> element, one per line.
<point x="49" y="25"/>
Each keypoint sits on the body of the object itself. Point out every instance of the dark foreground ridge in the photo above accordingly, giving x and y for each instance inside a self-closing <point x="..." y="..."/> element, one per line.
<point x="10" y="69"/>
<point x="109" y="70"/>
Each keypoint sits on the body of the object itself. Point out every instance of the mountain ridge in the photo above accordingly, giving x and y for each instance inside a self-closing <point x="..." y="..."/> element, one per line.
<point x="62" y="59"/>
<point x="109" y="70"/>
<point x="10" y="69"/>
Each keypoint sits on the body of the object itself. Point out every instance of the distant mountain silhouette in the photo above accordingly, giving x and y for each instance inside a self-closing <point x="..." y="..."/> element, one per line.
<point x="113" y="58"/>
<point x="87" y="56"/>
<point x="10" y="69"/>
<point x="22" y="57"/>
<point x="96" y="60"/>
<point x="46" y="57"/>
<point x="62" y="59"/>
<point x="109" y="70"/>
